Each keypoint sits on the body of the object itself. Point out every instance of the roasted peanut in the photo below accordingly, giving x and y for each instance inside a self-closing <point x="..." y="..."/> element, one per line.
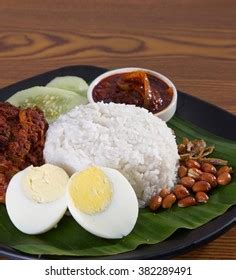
<point x="191" y="163"/>
<point x="187" y="182"/>
<point x="182" y="171"/>
<point x="201" y="197"/>
<point x="187" y="201"/>
<point x="168" y="201"/>
<point x="224" y="169"/>
<point x="180" y="191"/>
<point x="224" y="179"/>
<point x="208" y="168"/>
<point x="201" y="186"/>
<point x="194" y="173"/>
<point x="210" y="178"/>
<point x="155" y="202"/>
<point x="164" y="192"/>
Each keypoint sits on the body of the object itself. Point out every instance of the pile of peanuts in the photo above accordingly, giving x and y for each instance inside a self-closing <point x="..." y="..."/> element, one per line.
<point x="195" y="182"/>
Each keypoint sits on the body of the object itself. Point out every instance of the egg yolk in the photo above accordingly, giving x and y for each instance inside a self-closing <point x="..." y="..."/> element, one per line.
<point x="44" y="184"/>
<point x="90" y="190"/>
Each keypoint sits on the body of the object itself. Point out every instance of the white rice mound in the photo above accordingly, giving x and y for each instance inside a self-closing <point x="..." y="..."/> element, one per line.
<point x="124" y="137"/>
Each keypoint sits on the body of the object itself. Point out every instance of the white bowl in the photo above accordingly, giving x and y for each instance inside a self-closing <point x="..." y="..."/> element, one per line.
<point x="165" y="114"/>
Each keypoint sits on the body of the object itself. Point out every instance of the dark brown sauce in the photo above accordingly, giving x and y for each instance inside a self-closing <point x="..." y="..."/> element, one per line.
<point x="137" y="88"/>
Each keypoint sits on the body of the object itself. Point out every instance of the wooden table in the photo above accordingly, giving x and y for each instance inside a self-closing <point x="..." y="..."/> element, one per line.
<point x="192" y="42"/>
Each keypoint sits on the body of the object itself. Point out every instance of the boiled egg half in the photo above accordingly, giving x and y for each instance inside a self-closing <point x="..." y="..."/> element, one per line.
<point x="103" y="202"/>
<point x="36" y="198"/>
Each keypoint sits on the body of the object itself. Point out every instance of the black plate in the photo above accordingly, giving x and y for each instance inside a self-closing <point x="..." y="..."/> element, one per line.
<point x="198" y="112"/>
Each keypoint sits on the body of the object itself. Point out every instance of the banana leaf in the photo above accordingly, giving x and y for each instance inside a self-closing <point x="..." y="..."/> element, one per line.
<point x="69" y="239"/>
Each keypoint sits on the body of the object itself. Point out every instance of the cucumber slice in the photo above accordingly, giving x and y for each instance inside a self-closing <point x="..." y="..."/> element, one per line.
<point x="52" y="101"/>
<point x="71" y="83"/>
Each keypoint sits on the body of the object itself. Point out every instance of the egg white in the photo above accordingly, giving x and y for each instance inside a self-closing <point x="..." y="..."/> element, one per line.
<point x="120" y="216"/>
<point x="28" y="216"/>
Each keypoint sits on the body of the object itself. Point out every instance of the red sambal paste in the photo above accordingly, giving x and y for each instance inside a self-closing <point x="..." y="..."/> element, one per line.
<point x="138" y="88"/>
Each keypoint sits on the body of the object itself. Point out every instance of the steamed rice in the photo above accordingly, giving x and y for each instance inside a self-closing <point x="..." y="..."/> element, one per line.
<point x="124" y="137"/>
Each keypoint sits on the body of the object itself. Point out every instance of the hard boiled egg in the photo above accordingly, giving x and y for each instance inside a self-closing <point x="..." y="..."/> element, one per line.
<point x="35" y="198"/>
<point x="103" y="202"/>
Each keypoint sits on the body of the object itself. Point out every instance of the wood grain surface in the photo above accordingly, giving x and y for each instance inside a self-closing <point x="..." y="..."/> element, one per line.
<point x="191" y="41"/>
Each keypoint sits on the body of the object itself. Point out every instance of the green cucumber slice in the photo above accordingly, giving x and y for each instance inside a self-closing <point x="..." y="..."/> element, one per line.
<point x="71" y="83"/>
<point x="52" y="101"/>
